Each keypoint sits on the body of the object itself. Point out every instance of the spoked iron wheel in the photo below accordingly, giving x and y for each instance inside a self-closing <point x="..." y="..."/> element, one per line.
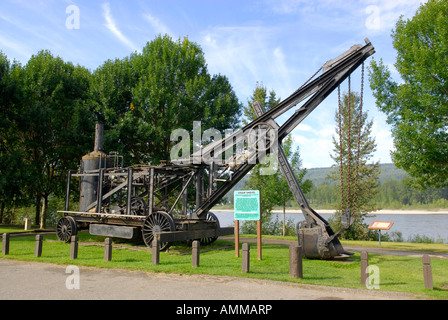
<point x="154" y="223"/>
<point x="66" y="228"/>
<point x="210" y="217"/>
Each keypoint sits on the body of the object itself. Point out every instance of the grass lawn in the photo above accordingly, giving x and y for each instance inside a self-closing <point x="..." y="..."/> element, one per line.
<point x="403" y="274"/>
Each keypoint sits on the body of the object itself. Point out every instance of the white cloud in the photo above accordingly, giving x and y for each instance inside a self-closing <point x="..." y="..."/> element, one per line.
<point x="22" y="51"/>
<point x="314" y="150"/>
<point x="382" y="15"/>
<point x="314" y="139"/>
<point x="111" y="25"/>
<point x="383" y="139"/>
<point x="246" y="55"/>
<point x="374" y="16"/>
<point x="157" y="25"/>
<point x="304" y="6"/>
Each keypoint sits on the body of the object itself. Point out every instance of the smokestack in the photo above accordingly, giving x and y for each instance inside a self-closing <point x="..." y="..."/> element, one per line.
<point x="99" y="132"/>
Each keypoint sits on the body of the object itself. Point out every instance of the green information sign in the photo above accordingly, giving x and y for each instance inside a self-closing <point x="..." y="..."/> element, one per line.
<point x="247" y="205"/>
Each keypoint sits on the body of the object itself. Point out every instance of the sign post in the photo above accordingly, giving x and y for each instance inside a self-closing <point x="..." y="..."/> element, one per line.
<point x="247" y="208"/>
<point x="381" y="225"/>
<point x="237" y="238"/>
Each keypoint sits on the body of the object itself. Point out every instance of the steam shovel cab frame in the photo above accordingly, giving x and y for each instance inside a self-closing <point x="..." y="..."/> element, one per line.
<point x="144" y="201"/>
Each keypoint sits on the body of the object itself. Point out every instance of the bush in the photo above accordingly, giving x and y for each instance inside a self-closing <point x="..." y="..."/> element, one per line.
<point x="394" y="236"/>
<point x="424" y="239"/>
<point x="270" y="227"/>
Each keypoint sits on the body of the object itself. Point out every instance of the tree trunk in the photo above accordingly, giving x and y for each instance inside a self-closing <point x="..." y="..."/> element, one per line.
<point x="13" y="212"/>
<point x="38" y="200"/>
<point x="43" y="217"/>
<point x="284" y="215"/>
<point x="2" y="211"/>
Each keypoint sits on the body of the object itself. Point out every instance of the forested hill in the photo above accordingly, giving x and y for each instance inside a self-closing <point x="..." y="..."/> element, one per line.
<point x="393" y="193"/>
<point x="388" y="172"/>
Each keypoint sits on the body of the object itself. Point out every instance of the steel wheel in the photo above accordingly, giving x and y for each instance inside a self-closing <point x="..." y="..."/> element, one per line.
<point x="210" y="217"/>
<point x="154" y="223"/>
<point x="66" y="228"/>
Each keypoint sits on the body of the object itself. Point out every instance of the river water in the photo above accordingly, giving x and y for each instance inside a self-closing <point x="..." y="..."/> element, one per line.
<point x="434" y="226"/>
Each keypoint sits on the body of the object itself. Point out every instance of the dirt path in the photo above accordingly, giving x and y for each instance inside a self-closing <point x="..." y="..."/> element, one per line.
<point x="383" y="251"/>
<point x="31" y="280"/>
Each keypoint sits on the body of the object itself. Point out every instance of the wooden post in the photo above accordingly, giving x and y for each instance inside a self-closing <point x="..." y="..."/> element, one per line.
<point x="5" y="244"/>
<point x="427" y="272"/>
<point x="27" y="223"/>
<point x="246" y="258"/>
<point x="108" y="249"/>
<point x="237" y="238"/>
<point x="259" y="239"/>
<point x="38" y="246"/>
<point x="295" y="262"/>
<point x="74" y="247"/>
<point x="195" y="254"/>
<point x="155" y="248"/>
<point x="364" y="266"/>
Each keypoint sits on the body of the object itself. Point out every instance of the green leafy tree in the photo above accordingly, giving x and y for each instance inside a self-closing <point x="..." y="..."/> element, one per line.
<point x="357" y="180"/>
<point x="56" y="127"/>
<point x="13" y="172"/>
<point x="143" y="98"/>
<point x="266" y="184"/>
<point x="417" y="105"/>
<point x="283" y="191"/>
<point x="111" y="101"/>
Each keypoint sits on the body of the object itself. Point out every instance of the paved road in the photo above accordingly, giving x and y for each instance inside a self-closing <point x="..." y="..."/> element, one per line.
<point x="32" y="280"/>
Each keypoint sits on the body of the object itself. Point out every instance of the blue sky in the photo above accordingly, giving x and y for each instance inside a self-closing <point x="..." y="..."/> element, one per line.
<point x="280" y="43"/>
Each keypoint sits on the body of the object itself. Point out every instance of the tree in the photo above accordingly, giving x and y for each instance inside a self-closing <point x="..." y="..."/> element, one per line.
<point x="283" y="191"/>
<point x="417" y="107"/>
<point x="274" y="190"/>
<point x="111" y="101"/>
<point x="144" y="97"/>
<point x="357" y="180"/>
<point x="56" y="128"/>
<point x="13" y="172"/>
<point x="266" y="184"/>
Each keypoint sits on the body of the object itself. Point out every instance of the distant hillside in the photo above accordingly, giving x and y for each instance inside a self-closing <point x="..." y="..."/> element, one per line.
<point x="388" y="171"/>
<point x="319" y="175"/>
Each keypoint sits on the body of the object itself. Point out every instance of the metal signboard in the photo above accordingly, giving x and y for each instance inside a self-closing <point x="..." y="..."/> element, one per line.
<point x="247" y="205"/>
<point x="381" y="225"/>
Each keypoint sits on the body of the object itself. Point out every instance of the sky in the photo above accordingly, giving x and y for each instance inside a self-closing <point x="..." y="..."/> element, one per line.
<point x="279" y="43"/>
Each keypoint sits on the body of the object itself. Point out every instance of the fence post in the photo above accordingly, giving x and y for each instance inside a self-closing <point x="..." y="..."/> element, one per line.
<point x="74" y="247"/>
<point x="295" y="262"/>
<point x="195" y="254"/>
<point x="27" y="223"/>
<point x="108" y="249"/>
<point x="5" y="244"/>
<point x="38" y="246"/>
<point x="427" y="272"/>
<point x="364" y="266"/>
<point x="155" y="252"/>
<point x="246" y="258"/>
